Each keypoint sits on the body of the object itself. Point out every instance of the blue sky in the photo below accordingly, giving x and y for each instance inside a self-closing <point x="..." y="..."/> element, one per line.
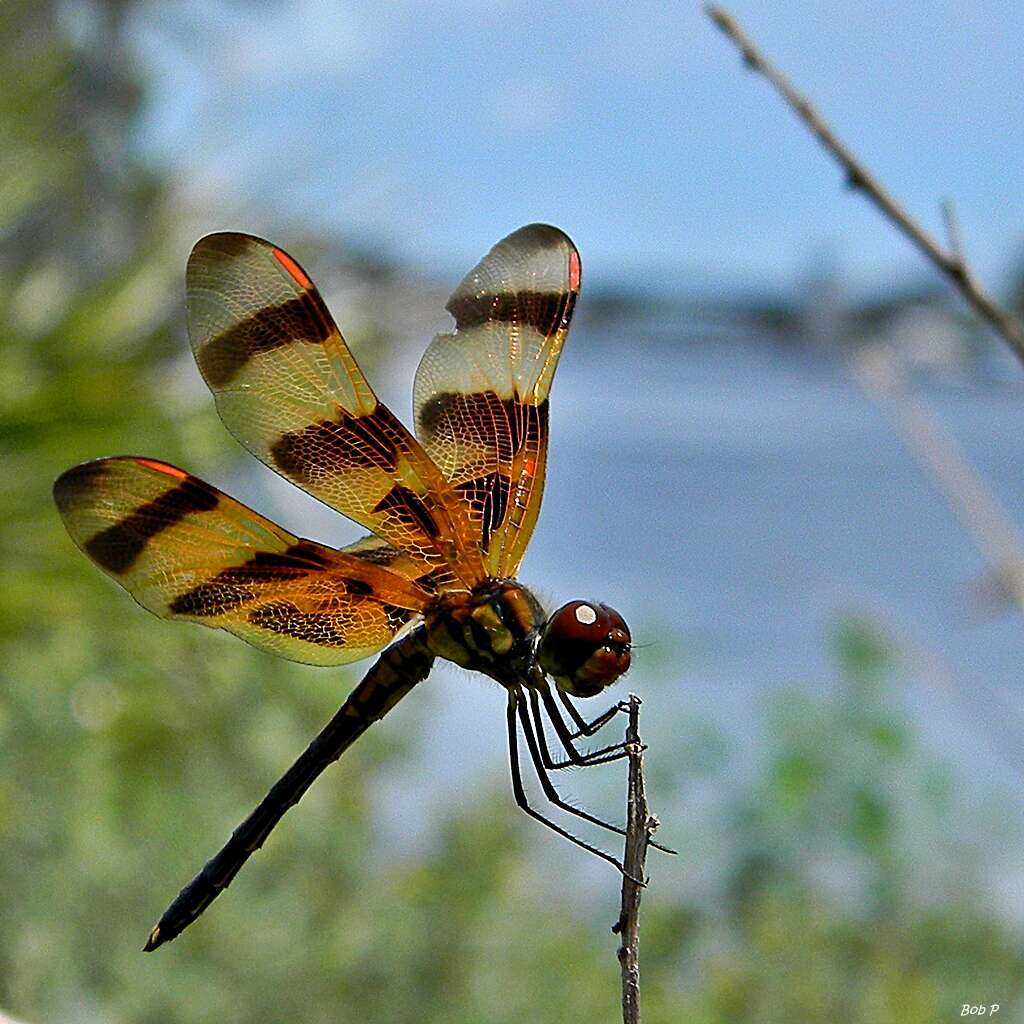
<point x="434" y="129"/>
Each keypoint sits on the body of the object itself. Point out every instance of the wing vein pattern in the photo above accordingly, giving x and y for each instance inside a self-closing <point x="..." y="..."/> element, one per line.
<point x="481" y="392"/>
<point x="289" y="389"/>
<point x="185" y="550"/>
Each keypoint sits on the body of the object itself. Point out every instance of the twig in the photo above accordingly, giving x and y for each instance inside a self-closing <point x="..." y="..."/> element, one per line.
<point x="949" y="218"/>
<point x="966" y="492"/>
<point x="963" y="487"/>
<point x="980" y="513"/>
<point x="640" y="826"/>
<point x="949" y="261"/>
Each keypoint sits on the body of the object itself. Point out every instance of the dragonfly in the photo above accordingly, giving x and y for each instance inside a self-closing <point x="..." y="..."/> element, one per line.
<point x="450" y="510"/>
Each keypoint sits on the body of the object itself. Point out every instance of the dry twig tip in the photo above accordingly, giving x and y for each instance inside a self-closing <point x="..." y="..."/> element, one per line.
<point x="950" y="261"/>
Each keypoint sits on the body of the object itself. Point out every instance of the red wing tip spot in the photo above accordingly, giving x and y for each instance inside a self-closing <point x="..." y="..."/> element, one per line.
<point x="162" y="467"/>
<point x="574" y="271"/>
<point x="293" y="268"/>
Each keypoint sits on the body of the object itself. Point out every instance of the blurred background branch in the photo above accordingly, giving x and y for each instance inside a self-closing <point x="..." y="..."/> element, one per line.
<point x="965" y="490"/>
<point x="950" y="262"/>
<point x="877" y="368"/>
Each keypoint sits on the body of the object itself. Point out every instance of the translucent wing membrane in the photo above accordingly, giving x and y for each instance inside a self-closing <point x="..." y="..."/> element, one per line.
<point x="185" y="550"/>
<point x="290" y="391"/>
<point x="448" y="511"/>
<point x="481" y="393"/>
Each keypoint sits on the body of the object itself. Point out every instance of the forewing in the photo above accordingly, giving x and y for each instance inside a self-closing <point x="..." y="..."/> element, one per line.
<point x="481" y="393"/>
<point x="291" y="392"/>
<point x="185" y="550"/>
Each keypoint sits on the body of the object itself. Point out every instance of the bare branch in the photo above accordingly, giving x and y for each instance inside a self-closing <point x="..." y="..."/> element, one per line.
<point x="950" y="262"/>
<point x="965" y="490"/>
<point x="640" y="826"/>
<point x="956" y="244"/>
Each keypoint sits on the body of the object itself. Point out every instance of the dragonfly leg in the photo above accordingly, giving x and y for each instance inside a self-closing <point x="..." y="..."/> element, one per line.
<point x="585" y="728"/>
<point x="514" y="703"/>
<point x="594" y="757"/>
<point x="546" y="785"/>
<point x="545" y="754"/>
<point x="576" y="757"/>
<point x="578" y="760"/>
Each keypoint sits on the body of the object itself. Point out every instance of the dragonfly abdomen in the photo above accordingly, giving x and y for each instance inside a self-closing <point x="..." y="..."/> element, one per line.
<point x="395" y="673"/>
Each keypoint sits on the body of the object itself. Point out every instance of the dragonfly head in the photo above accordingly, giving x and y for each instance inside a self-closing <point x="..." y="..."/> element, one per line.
<point x="584" y="647"/>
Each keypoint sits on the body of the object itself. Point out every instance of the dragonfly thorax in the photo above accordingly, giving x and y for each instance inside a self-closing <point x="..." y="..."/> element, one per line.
<point x="493" y="629"/>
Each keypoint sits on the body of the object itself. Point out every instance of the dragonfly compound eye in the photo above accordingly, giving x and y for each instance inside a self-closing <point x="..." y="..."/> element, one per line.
<point x="585" y="647"/>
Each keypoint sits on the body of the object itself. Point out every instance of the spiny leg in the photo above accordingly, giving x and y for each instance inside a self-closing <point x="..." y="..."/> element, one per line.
<point x="579" y="760"/>
<point x="538" y="681"/>
<point x="590" y="758"/>
<point x="520" y="794"/>
<point x="610" y="753"/>
<point x="585" y="728"/>
<point x="537" y="754"/>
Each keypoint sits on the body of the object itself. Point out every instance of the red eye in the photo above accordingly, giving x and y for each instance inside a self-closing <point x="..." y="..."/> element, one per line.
<point x="585" y="647"/>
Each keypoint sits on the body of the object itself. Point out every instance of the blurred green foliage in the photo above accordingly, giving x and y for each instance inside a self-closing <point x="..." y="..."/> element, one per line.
<point x="840" y="890"/>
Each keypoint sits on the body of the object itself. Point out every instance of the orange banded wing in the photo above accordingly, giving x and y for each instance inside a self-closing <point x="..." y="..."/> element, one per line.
<point x="481" y="394"/>
<point x="185" y="550"/>
<point x="372" y="549"/>
<point x="290" y="391"/>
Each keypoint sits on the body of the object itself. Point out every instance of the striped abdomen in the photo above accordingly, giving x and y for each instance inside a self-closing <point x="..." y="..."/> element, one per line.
<point x="395" y="673"/>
